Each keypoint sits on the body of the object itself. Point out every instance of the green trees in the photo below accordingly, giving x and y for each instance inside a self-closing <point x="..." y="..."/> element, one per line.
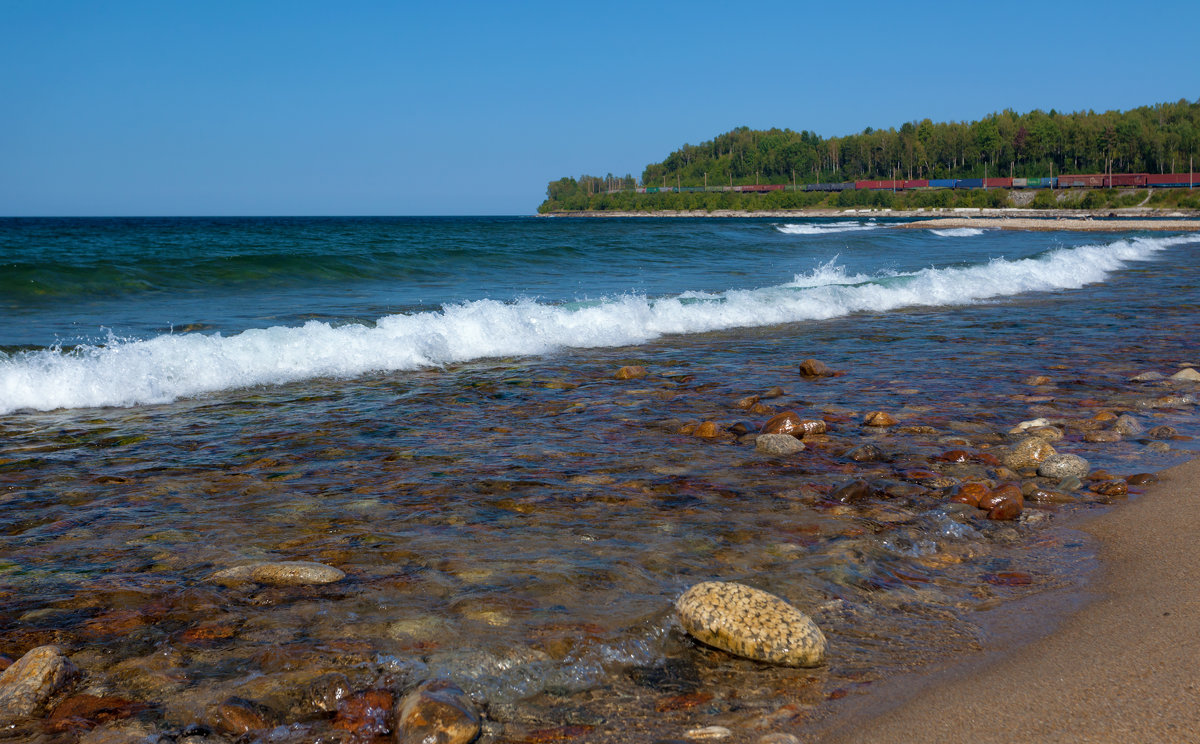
<point x="1153" y="139"/>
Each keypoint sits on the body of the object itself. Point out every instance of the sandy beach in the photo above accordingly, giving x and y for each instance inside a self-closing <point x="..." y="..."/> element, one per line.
<point x="1122" y="669"/>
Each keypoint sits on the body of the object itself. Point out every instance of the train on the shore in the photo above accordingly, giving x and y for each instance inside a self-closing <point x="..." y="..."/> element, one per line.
<point x="1088" y="180"/>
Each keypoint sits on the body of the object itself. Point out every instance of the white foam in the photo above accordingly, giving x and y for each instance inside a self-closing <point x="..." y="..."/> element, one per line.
<point x="169" y="367"/>
<point x="825" y="228"/>
<point x="958" y="232"/>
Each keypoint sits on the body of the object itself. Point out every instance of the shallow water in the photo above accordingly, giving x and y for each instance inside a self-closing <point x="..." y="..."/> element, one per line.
<point x="522" y="524"/>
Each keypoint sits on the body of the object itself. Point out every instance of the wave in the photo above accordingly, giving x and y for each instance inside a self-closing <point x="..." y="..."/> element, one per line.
<point x="958" y="232"/>
<point x="173" y="366"/>
<point x="826" y="228"/>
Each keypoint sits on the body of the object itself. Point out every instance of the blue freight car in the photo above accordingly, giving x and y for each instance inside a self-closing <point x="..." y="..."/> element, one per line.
<point x="941" y="183"/>
<point x="969" y="183"/>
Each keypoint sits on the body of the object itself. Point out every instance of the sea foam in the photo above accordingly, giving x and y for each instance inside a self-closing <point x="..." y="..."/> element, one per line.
<point x="958" y="232"/>
<point x="173" y="366"/>
<point x="826" y="228"/>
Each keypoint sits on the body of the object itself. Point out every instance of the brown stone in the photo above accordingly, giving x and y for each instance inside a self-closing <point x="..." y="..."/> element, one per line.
<point x="954" y="456"/>
<point x="439" y="712"/>
<point x="631" y="372"/>
<point x="747" y="402"/>
<point x="865" y="453"/>
<point x="788" y="422"/>
<point x="31" y="680"/>
<point x="1108" y="435"/>
<point x="1028" y="452"/>
<point x="774" y="392"/>
<point x="1162" y="432"/>
<point x="762" y="409"/>
<point x="366" y="714"/>
<point x="855" y="490"/>
<point x="1105" y="416"/>
<point x="1037" y="380"/>
<point x="706" y="430"/>
<point x="815" y="368"/>
<point x="1112" y="488"/>
<point x="879" y="418"/>
<point x="238" y="715"/>
<point x="1142" y="479"/>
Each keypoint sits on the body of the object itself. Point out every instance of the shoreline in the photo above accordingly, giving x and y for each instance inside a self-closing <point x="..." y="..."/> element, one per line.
<point x="1120" y="668"/>
<point x="933" y="213"/>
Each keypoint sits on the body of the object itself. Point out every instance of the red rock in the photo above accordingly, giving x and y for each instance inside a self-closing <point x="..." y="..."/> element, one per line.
<point x="970" y="493"/>
<point x="209" y="632"/>
<point x="1111" y="488"/>
<point x="986" y="458"/>
<point x="955" y="456"/>
<point x="1005" y="492"/>
<point x="366" y="714"/>
<point x="1006" y="509"/>
<point x="631" y="372"/>
<point x="879" y="418"/>
<point x="86" y="711"/>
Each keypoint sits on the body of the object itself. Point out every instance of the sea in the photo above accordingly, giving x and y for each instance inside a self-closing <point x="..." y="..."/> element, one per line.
<point x="433" y="407"/>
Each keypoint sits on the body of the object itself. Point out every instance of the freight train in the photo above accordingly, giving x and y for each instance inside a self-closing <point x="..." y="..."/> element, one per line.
<point x="1091" y="181"/>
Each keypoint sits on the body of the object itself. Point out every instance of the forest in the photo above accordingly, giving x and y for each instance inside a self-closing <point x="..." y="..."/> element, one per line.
<point x="1162" y="138"/>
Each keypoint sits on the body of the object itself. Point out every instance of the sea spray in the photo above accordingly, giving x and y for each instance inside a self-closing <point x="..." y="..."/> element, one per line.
<point x="172" y="366"/>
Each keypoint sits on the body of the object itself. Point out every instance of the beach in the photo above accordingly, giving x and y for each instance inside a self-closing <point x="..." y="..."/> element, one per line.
<point x="1121" y="669"/>
<point x="268" y="477"/>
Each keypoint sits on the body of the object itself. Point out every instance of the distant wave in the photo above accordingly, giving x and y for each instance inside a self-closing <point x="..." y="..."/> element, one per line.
<point x="958" y="232"/>
<point x="173" y="366"/>
<point x="826" y="228"/>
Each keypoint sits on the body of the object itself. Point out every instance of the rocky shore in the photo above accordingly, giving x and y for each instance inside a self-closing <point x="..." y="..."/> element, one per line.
<point x="1053" y="223"/>
<point x="971" y="479"/>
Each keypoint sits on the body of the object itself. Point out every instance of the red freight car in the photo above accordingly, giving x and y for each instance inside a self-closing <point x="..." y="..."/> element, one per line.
<point x="889" y="185"/>
<point x="1126" y="180"/>
<point x="915" y="183"/>
<point x="997" y="183"/>
<point x="1177" y="180"/>
<point x="1091" y="181"/>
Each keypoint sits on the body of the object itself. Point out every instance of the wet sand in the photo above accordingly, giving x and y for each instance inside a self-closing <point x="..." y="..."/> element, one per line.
<point x="1027" y="223"/>
<point x="1122" y="669"/>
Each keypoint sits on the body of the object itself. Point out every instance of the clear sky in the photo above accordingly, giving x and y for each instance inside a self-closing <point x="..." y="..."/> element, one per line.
<point x="401" y="108"/>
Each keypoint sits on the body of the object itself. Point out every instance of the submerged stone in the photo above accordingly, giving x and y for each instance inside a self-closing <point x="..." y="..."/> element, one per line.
<point x="437" y="711"/>
<point x="31" y="680"/>
<point x="777" y="444"/>
<point x="281" y="573"/>
<point x="751" y="623"/>
<point x="1187" y="374"/>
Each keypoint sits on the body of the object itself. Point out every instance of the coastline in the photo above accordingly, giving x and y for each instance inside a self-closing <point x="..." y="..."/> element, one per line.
<point x="960" y="213"/>
<point x="1120" y="669"/>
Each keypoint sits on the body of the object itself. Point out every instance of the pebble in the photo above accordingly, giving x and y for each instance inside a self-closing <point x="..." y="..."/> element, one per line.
<point x="1106" y="436"/>
<point x="970" y="493"/>
<point x="631" y="372"/>
<point x="777" y="444"/>
<point x="1128" y="425"/>
<point x="865" y="453"/>
<point x="855" y="490"/>
<point x="1112" y="488"/>
<point x="778" y="738"/>
<point x="1028" y="452"/>
<point x="708" y="733"/>
<point x="1031" y="424"/>
<point x="279" y="573"/>
<point x="1147" y="377"/>
<point x="1141" y="479"/>
<point x="1037" y="380"/>
<point x="751" y="623"/>
<point x="1187" y="374"/>
<point x="238" y="716"/>
<point x="1162" y="432"/>
<point x="365" y="715"/>
<point x="1049" y="433"/>
<point x="1063" y="466"/>
<point x="437" y="711"/>
<point x="1070" y="483"/>
<point x="706" y="430"/>
<point x="31" y="680"/>
<point x="879" y="418"/>
<point x="747" y="403"/>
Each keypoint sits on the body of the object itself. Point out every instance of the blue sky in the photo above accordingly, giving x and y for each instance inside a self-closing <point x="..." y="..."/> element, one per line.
<point x="397" y="108"/>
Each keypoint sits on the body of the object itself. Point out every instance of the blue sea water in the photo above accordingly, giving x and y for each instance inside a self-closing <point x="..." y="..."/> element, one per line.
<point x="430" y="405"/>
<point x="126" y="308"/>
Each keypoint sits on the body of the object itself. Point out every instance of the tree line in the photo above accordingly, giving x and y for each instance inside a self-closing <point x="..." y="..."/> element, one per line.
<point x="1162" y="138"/>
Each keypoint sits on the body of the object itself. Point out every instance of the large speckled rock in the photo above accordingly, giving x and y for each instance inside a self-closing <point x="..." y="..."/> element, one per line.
<point x="778" y="444"/>
<point x="281" y="573"/>
<point x="752" y="623"/>
<point x="31" y="680"/>
<point x="1063" y="466"/>
<point x="1028" y="452"/>
<point x="437" y="712"/>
